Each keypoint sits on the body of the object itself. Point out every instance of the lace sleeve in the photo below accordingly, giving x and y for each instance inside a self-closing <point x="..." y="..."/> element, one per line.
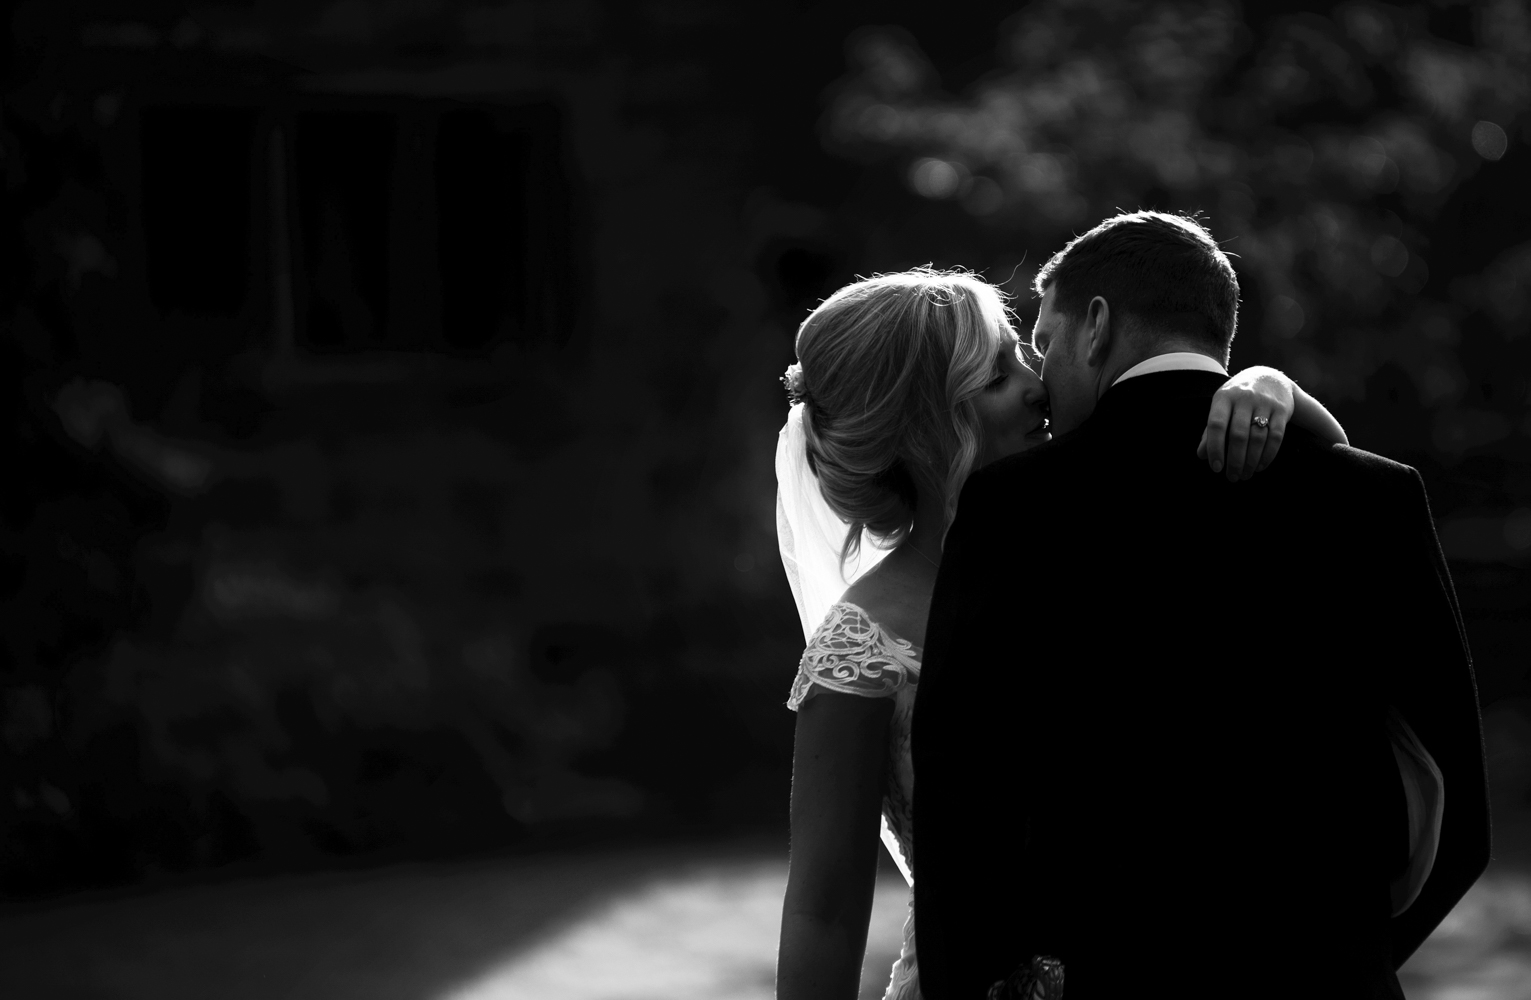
<point x="852" y="654"/>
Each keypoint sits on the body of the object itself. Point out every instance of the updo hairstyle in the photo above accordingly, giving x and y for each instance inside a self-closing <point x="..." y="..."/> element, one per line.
<point x="889" y="366"/>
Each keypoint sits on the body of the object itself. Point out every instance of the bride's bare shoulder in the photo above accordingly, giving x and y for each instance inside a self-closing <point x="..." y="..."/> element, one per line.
<point x="896" y="595"/>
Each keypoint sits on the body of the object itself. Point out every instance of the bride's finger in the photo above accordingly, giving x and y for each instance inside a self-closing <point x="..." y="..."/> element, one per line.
<point x="1258" y="437"/>
<point x="1273" y="438"/>
<point x="1214" y="437"/>
<point x="1238" y="441"/>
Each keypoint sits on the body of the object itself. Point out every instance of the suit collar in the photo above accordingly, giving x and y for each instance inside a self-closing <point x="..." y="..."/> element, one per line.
<point x="1173" y="361"/>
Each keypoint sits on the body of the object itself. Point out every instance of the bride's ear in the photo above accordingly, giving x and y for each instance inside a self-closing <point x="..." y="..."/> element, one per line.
<point x="1097" y="332"/>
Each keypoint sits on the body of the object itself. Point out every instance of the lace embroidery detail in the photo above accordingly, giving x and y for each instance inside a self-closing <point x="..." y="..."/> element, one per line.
<point x="852" y="654"/>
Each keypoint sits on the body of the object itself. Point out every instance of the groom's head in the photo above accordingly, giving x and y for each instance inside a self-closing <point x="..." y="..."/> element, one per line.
<point x="1137" y="285"/>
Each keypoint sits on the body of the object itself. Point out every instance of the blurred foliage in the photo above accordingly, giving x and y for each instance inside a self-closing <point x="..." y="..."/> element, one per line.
<point x="381" y="645"/>
<point x="1324" y="150"/>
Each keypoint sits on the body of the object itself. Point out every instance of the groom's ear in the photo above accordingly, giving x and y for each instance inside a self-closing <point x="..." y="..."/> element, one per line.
<point x="1097" y="332"/>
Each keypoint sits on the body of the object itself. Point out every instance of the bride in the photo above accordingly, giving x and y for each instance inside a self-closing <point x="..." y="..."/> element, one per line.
<point x="906" y="383"/>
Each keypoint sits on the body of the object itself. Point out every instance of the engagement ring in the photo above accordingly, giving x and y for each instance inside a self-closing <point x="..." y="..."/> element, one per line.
<point x="1261" y="422"/>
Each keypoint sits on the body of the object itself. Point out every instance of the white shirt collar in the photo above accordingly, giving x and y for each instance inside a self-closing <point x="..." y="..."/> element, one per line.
<point x="1173" y="362"/>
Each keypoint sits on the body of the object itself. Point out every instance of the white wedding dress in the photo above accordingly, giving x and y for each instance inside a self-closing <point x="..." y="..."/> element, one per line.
<point x="851" y="654"/>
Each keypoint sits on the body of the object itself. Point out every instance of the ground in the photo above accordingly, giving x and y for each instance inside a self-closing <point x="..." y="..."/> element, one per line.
<point x="672" y="923"/>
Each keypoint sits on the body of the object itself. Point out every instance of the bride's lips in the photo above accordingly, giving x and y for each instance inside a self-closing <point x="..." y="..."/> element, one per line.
<point x="1040" y="430"/>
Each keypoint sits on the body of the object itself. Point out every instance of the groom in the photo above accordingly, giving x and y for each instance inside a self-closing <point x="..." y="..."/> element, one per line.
<point x="1149" y="739"/>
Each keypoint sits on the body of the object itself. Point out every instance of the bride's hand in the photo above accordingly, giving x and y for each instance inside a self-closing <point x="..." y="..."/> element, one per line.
<point x="1232" y="440"/>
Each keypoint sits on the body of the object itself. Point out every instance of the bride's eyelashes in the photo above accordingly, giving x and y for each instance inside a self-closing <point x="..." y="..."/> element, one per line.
<point x="1002" y="365"/>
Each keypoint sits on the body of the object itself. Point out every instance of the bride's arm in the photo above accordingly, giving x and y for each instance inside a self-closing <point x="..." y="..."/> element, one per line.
<point x="838" y="767"/>
<point x="1232" y="439"/>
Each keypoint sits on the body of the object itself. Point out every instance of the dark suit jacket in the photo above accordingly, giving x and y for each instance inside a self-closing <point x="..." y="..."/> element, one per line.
<point x="1149" y="736"/>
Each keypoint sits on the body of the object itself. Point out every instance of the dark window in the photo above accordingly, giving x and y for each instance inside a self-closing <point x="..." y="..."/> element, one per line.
<point x="431" y="225"/>
<point x="343" y="163"/>
<point x="196" y="207"/>
<point x="481" y="217"/>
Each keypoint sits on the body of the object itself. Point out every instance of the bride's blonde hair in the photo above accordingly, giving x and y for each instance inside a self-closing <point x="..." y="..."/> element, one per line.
<point x="890" y="365"/>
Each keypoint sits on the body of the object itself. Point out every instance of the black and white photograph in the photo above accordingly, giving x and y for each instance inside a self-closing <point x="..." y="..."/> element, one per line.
<point x="725" y="500"/>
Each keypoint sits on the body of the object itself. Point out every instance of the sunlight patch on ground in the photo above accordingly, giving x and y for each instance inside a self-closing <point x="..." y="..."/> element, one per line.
<point x="684" y="922"/>
<point x="706" y="935"/>
<point x="1482" y="950"/>
<point x="712" y="934"/>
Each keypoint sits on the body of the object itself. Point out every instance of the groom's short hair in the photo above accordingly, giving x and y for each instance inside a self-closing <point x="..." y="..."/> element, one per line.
<point x="1165" y="270"/>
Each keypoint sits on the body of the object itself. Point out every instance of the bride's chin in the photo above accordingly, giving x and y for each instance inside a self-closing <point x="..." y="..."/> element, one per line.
<point x="1026" y="443"/>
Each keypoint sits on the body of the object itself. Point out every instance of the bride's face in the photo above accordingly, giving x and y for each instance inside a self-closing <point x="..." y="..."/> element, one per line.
<point x="1012" y="408"/>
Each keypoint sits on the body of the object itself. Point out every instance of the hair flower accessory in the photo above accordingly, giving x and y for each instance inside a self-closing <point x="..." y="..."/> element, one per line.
<point x="797" y="389"/>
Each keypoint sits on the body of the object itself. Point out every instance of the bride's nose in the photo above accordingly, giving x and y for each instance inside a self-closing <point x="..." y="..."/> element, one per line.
<point x="1035" y="393"/>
